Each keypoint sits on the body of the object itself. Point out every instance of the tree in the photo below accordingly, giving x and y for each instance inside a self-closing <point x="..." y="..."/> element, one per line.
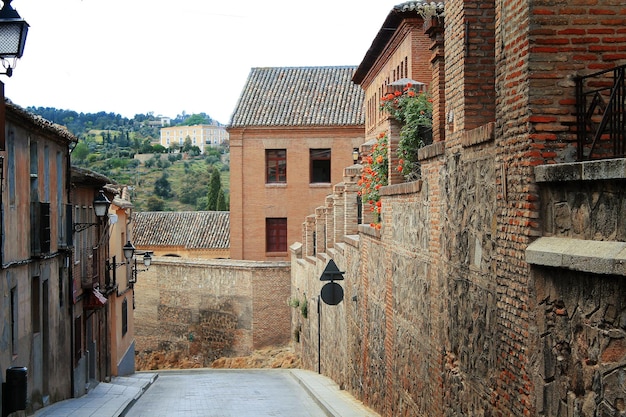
<point x="222" y="204"/>
<point x="162" y="187"/>
<point x="155" y="204"/>
<point x="81" y="151"/>
<point x="215" y="185"/>
<point x="193" y="186"/>
<point x="197" y="119"/>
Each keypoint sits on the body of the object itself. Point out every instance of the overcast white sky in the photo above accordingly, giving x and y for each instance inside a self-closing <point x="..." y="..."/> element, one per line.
<point x="139" y="56"/>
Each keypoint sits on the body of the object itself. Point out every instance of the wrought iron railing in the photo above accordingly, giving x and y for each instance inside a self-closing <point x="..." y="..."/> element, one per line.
<point x="601" y="114"/>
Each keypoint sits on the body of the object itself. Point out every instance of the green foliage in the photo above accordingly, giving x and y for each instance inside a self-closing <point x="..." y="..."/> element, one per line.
<point x="375" y="174"/>
<point x="163" y="164"/>
<point x="111" y="141"/>
<point x="222" y="204"/>
<point x="150" y="162"/>
<point x="155" y="204"/>
<point x="215" y="185"/>
<point x="81" y="151"/>
<point x="413" y="110"/>
<point x="197" y="119"/>
<point x="162" y="187"/>
<point x="202" y="203"/>
<point x="193" y="185"/>
<point x="158" y="148"/>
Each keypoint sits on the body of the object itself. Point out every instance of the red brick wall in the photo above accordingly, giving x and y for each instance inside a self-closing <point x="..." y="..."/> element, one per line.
<point x="565" y="40"/>
<point x="252" y="200"/>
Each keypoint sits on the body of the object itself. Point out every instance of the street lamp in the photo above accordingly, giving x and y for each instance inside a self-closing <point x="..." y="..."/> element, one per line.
<point x="129" y="254"/>
<point x="13" y="31"/>
<point x="100" y="206"/>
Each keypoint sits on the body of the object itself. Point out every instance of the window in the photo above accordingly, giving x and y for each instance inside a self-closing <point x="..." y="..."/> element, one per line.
<point x="124" y="316"/>
<point x="78" y="339"/>
<point x="320" y="165"/>
<point x="276" y="165"/>
<point x="34" y="305"/>
<point x="14" y="337"/>
<point x="276" y="235"/>
<point x="11" y="174"/>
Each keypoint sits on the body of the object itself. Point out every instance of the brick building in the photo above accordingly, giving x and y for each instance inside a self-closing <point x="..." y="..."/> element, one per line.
<point x="291" y="133"/>
<point x="495" y="285"/>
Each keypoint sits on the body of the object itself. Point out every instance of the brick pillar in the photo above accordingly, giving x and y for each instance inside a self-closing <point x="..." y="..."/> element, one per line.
<point x="339" y="211"/>
<point x="351" y="215"/>
<point x="309" y="226"/>
<point x="395" y="177"/>
<point x="434" y="28"/>
<point x="330" y="221"/>
<point x="320" y="230"/>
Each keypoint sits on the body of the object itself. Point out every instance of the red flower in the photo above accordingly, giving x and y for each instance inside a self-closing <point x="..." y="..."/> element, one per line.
<point x="397" y="93"/>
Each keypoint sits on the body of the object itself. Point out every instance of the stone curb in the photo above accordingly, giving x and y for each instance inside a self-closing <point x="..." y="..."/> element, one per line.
<point x="138" y="395"/>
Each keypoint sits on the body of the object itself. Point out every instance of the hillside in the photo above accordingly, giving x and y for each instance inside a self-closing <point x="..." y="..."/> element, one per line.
<point x="168" y="179"/>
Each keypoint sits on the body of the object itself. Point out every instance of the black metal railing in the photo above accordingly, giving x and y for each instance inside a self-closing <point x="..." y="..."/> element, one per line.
<point x="601" y="114"/>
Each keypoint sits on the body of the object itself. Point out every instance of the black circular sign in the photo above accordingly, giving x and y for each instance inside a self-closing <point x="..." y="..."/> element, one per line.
<point x="332" y="293"/>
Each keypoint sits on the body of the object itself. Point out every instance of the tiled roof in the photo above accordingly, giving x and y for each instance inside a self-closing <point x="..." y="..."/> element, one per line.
<point x="300" y="96"/>
<point x="39" y="122"/>
<point x="189" y="229"/>
<point x="387" y="30"/>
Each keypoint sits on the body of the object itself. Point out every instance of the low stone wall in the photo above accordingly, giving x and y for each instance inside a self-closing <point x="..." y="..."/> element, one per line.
<point x="201" y="310"/>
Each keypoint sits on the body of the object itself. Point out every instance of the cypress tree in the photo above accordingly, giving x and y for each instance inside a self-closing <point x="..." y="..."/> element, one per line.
<point x="215" y="185"/>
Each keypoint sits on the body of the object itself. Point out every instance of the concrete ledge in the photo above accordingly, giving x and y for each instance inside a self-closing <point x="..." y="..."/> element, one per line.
<point x="593" y="256"/>
<point x="605" y="169"/>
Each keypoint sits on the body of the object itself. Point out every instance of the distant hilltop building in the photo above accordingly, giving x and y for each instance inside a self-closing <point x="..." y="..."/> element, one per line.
<point x="163" y="121"/>
<point x="200" y="135"/>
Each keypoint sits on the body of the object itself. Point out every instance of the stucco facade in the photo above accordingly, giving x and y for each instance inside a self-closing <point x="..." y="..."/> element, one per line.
<point x="202" y="136"/>
<point x="35" y="277"/>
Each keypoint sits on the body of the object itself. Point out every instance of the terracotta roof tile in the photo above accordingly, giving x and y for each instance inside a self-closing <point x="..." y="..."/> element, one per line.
<point x="398" y="13"/>
<point x="300" y="96"/>
<point x="189" y="229"/>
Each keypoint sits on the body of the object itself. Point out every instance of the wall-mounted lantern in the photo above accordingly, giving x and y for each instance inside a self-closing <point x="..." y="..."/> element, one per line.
<point x="129" y="254"/>
<point x="13" y="31"/>
<point x="355" y="156"/>
<point x="101" y="207"/>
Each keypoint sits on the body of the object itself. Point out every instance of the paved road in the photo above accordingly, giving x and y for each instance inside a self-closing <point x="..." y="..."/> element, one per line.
<point x="226" y="393"/>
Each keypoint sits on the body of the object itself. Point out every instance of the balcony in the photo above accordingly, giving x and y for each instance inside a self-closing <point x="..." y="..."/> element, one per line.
<point x="601" y="115"/>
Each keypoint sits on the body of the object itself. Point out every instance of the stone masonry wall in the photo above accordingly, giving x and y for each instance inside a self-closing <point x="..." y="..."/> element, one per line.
<point x="203" y="310"/>
<point x="461" y="304"/>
